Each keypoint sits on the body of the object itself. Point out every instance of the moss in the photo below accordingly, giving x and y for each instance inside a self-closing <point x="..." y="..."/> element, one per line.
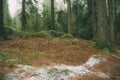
<point x="55" y="33"/>
<point x="41" y="34"/>
<point x="67" y="36"/>
<point x="22" y="34"/>
<point x="108" y="48"/>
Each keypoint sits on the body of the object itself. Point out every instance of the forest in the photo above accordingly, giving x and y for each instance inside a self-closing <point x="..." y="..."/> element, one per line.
<point x="59" y="39"/>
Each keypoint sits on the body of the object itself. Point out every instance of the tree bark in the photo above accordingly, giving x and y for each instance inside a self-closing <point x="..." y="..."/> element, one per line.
<point x="69" y="16"/>
<point x="115" y="9"/>
<point x="2" y="29"/>
<point x="23" y="18"/>
<point x="36" y="22"/>
<point x="93" y="18"/>
<point x="102" y="40"/>
<point x="111" y="20"/>
<point x="52" y="15"/>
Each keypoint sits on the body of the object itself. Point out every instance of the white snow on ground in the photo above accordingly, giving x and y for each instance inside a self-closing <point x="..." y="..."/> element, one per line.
<point x="57" y="72"/>
<point x="94" y="60"/>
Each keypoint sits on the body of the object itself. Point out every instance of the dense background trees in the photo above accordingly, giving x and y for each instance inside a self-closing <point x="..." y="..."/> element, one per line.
<point x="89" y="19"/>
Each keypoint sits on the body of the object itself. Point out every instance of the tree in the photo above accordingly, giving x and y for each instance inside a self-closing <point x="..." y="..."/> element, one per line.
<point x="7" y="18"/>
<point x="62" y="20"/>
<point x="46" y="14"/>
<point x="33" y="14"/>
<point x="23" y="17"/>
<point x="2" y="29"/>
<point x="111" y="20"/>
<point x="69" y="16"/>
<point x="103" y="40"/>
<point x="52" y="15"/>
<point x="93" y="17"/>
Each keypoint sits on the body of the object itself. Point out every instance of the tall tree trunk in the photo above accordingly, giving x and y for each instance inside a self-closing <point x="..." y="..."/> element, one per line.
<point x="2" y="29"/>
<point x="92" y="12"/>
<point x="89" y="4"/>
<point x="102" y="40"/>
<point x="52" y="15"/>
<point x="69" y="16"/>
<point x="115" y="9"/>
<point x="111" y="20"/>
<point x="36" y="22"/>
<point x="23" y="18"/>
<point x="93" y="18"/>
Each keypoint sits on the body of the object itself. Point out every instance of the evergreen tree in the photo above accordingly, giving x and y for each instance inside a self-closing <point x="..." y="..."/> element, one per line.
<point x="2" y="29"/>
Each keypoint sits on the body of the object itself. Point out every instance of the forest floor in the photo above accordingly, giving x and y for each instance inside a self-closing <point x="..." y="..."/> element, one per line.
<point x="62" y="59"/>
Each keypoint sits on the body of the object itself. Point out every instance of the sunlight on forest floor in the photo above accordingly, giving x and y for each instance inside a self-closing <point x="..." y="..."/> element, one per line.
<point x="56" y="72"/>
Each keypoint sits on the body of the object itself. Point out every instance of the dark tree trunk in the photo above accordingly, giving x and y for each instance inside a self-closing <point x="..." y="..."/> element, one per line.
<point x="111" y="20"/>
<point x="89" y="3"/>
<point x="2" y="29"/>
<point x="69" y="16"/>
<point x="103" y="40"/>
<point x="23" y="18"/>
<point x="36" y="22"/>
<point x="92" y="11"/>
<point x="115" y="9"/>
<point x="52" y="16"/>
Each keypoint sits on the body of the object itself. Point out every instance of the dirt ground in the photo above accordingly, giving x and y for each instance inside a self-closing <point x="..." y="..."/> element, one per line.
<point x="46" y="51"/>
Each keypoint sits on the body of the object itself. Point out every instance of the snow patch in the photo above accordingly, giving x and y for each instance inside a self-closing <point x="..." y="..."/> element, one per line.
<point x="95" y="59"/>
<point x="57" y="72"/>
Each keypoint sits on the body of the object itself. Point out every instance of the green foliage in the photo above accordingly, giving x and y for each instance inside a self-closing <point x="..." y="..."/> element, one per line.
<point x="55" y="33"/>
<point x="22" y="34"/>
<point x="81" y="20"/>
<point x="46" y="14"/>
<point x="59" y="34"/>
<point x="52" y="33"/>
<point x="9" y="31"/>
<point x="3" y="37"/>
<point x="61" y="21"/>
<point x="3" y="56"/>
<point x="41" y="34"/>
<point x="67" y="36"/>
<point x="44" y="33"/>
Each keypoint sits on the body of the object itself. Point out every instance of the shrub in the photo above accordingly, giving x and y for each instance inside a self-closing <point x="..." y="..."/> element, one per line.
<point x="55" y="33"/>
<point x="9" y="31"/>
<point x="52" y="33"/>
<point x="67" y="36"/>
<point x="60" y="34"/>
<point x="3" y="56"/>
<point x="41" y="34"/>
<point x="22" y="34"/>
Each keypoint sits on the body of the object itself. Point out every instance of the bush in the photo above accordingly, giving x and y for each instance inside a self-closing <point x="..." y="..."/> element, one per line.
<point x="55" y="33"/>
<point x="52" y="33"/>
<point x="3" y="56"/>
<point x="9" y="31"/>
<point x="67" y="36"/>
<point x="22" y="34"/>
<point x="41" y="34"/>
<point x="60" y="34"/>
